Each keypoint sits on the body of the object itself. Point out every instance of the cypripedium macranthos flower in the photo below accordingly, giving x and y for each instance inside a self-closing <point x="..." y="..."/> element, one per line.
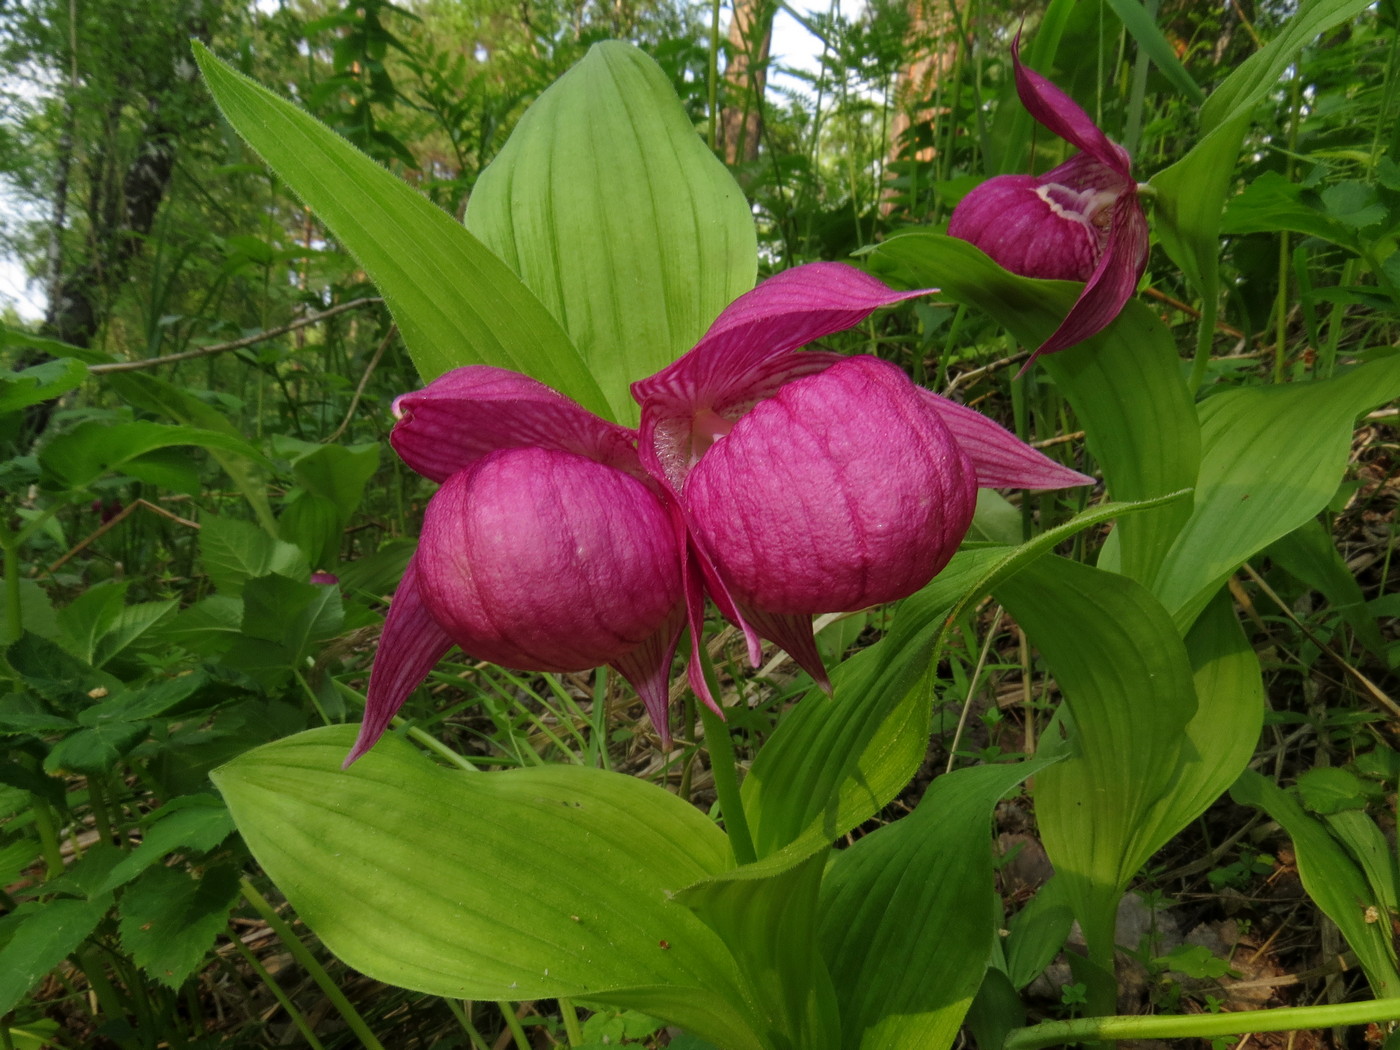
<point x="547" y="548"/>
<point x="814" y="482"/>
<point x="1080" y="221"/>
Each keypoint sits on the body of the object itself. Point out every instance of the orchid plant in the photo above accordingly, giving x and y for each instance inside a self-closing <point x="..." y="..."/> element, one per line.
<point x="575" y="528"/>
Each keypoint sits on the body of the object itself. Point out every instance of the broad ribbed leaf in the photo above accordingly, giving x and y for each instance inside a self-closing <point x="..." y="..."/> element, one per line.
<point x="1127" y="685"/>
<point x="454" y="301"/>
<point x="523" y="884"/>
<point x="609" y="206"/>
<point x="1221" y="736"/>
<point x="1334" y="881"/>
<point x="1271" y="459"/>
<point x="907" y="921"/>
<point x="1124" y="383"/>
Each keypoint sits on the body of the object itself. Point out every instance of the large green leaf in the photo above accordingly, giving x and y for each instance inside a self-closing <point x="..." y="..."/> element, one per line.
<point x="1271" y="459"/>
<point x="609" y="206"/>
<point x="907" y="921"/>
<point x="78" y="458"/>
<point x="1124" y="384"/>
<point x="455" y="302"/>
<point x="523" y="884"/>
<point x="1126" y="680"/>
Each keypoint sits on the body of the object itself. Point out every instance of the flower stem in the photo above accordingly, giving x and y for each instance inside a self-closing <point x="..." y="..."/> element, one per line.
<point x="722" y="764"/>
<point x="1202" y="1026"/>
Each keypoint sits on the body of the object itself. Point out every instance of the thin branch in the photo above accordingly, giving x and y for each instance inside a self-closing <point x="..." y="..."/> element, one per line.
<point x="115" y="520"/>
<point x="237" y="344"/>
<point x="364" y="382"/>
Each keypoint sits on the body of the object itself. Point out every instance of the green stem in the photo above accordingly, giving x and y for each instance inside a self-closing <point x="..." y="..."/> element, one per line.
<point x="517" y="1030"/>
<point x="1205" y="340"/>
<point x="296" y="1016"/>
<point x="722" y="765"/>
<point x="1201" y="1026"/>
<point x="464" y="1019"/>
<point x="47" y="827"/>
<point x="108" y="1001"/>
<point x="317" y="972"/>
<point x="572" y="1028"/>
<point x="14" y="612"/>
<point x="6" y="1042"/>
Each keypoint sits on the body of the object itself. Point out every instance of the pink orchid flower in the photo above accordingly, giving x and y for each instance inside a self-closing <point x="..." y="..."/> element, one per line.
<point x="547" y="548"/>
<point x="814" y="482"/>
<point x="1080" y="221"/>
<point x="781" y="484"/>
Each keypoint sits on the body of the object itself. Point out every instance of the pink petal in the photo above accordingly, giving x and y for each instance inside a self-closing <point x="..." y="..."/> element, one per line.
<point x="1112" y="283"/>
<point x="1001" y="459"/>
<point x="1056" y="111"/>
<point x="411" y="644"/>
<point x="473" y="411"/>
<point x="787" y="311"/>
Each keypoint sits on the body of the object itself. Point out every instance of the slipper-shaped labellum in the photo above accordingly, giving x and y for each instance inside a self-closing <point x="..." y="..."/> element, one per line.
<point x="813" y="482"/>
<point x="1080" y="221"/>
<point x="547" y="548"/>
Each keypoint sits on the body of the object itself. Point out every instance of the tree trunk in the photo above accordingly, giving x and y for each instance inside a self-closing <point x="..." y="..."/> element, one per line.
<point x="745" y="78"/>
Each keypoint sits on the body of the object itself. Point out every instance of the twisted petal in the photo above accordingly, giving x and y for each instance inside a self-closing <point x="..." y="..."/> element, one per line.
<point x="1111" y="284"/>
<point x="1055" y="110"/>
<point x="411" y="644"/>
<point x="470" y="412"/>
<point x="1000" y="459"/>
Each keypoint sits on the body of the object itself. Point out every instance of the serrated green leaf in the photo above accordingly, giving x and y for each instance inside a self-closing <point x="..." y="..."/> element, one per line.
<point x="76" y="459"/>
<point x="95" y="749"/>
<point x="522" y="884"/>
<point x="234" y="552"/>
<point x="39" y="383"/>
<point x="47" y="934"/>
<point x="455" y="302"/>
<point x="169" y="919"/>
<point x="196" y="827"/>
<point x="129" y="627"/>
<point x="609" y="206"/>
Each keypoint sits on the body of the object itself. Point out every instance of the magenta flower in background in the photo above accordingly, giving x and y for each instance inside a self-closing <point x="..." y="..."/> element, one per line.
<point x="547" y="548"/>
<point x="1080" y="221"/>
<point x="814" y="482"/>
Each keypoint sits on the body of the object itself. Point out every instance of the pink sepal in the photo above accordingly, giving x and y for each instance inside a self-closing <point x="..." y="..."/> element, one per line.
<point x="1055" y="110"/>
<point x="648" y="669"/>
<point x="1000" y="458"/>
<point x="470" y="412"/>
<point x="412" y="643"/>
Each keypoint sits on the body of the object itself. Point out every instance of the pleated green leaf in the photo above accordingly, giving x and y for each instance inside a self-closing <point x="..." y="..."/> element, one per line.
<point x="1124" y="384"/>
<point x="609" y="206"/>
<point x="454" y="301"/>
<point x="523" y="884"/>
<point x="1128" y="697"/>
<point x="1271" y="459"/>
<point x="908" y="923"/>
